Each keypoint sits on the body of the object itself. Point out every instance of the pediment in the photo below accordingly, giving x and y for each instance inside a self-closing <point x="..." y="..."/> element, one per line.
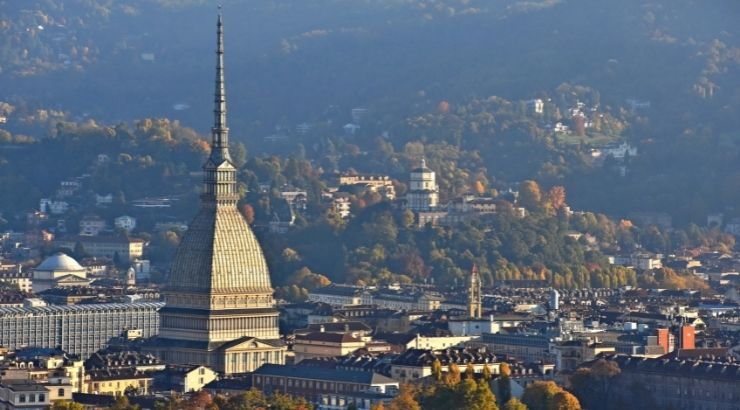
<point x="248" y="343"/>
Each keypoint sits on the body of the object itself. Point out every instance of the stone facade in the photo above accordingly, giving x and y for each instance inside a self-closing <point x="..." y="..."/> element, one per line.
<point x="219" y="307"/>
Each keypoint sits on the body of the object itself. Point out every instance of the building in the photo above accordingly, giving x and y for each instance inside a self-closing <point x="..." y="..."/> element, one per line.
<point x="341" y="204"/>
<point x="59" y="373"/>
<point x="125" y="222"/>
<point x="118" y="382"/>
<point x="423" y="194"/>
<point x="76" y="329"/>
<point x="103" y="200"/>
<point x="23" y="394"/>
<point x="524" y="347"/>
<point x="570" y="354"/>
<point x="91" y="225"/>
<point x="338" y="295"/>
<point x="112" y="247"/>
<point x="536" y="106"/>
<point x="49" y="206"/>
<point x="678" y="383"/>
<point x="184" y="379"/>
<point x="381" y="184"/>
<point x="472" y="326"/>
<point x="18" y="278"/>
<point x="325" y="344"/>
<point x="314" y="383"/>
<point x="415" y="364"/>
<point x="58" y="270"/>
<point x="143" y="269"/>
<point x="219" y="309"/>
<point x="687" y="337"/>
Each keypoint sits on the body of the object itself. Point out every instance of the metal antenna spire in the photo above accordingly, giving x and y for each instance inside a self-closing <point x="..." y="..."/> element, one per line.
<point x="220" y="143"/>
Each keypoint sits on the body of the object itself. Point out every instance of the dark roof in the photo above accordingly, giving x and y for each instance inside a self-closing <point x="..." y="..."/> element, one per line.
<point x="318" y="373"/>
<point x="328" y="337"/>
<point x="396" y="338"/>
<point x="709" y="353"/>
<point x="99" y="239"/>
<point x="338" y="290"/>
<point x="231" y="384"/>
<point x="23" y="385"/>
<point x="688" y="368"/>
<point x="352" y="326"/>
<point x="118" y="374"/>
<point x="459" y="355"/>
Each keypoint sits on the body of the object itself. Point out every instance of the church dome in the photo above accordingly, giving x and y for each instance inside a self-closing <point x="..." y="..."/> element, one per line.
<point x="219" y="253"/>
<point x="60" y="262"/>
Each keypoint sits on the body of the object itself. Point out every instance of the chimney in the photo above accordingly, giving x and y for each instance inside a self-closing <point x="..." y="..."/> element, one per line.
<point x="688" y="337"/>
<point x="663" y="339"/>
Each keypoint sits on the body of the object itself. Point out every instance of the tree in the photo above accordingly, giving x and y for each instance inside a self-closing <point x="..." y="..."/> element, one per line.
<point x="248" y="213"/>
<point x="122" y="403"/>
<point x="469" y="371"/>
<point x="378" y="406"/>
<point x="479" y="188"/>
<point x="437" y="370"/>
<point x="593" y="385"/>
<point x="486" y="372"/>
<point x="556" y="197"/>
<point x="251" y="399"/>
<point x="530" y="195"/>
<point x="405" y="399"/>
<point x="66" y="405"/>
<point x="452" y="377"/>
<point x="279" y="401"/>
<point x="563" y="401"/>
<point x="79" y="252"/>
<point x="538" y="394"/>
<point x="504" y="383"/>
<point x="483" y="399"/>
<point x="515" y="404"/>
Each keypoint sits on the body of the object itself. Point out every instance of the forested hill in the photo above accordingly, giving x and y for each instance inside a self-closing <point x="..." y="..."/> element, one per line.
<point x="445" y="79"/>
<point x="292" y="61"/>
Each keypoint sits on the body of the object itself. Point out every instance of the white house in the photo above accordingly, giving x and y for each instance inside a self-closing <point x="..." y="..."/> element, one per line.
<point x="125" y="222"/>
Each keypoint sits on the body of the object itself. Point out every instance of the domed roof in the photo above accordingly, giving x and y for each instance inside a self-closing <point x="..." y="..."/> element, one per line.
<point x="422" y="168"/>
<point x="219" y="254"/>
<point x="60" y="262"/>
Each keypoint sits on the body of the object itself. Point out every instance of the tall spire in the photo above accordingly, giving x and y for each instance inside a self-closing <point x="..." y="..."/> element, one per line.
<point x="220" y="173"/>
<point x="220" y="132"/>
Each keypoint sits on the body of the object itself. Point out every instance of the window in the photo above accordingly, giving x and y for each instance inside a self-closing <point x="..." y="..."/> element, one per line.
<point x="22" y="398"/>
<point x="60" y="393"/>
<point x="42" y="398"/>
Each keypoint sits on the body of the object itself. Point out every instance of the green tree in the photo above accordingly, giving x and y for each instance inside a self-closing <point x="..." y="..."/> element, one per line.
<point x="66" y="405"/>
<point x="122" y="403"/>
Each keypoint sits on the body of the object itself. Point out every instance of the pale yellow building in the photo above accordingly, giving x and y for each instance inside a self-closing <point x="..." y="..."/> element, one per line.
<point x="324" y="344"/>
<point x="118" y="382"/>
